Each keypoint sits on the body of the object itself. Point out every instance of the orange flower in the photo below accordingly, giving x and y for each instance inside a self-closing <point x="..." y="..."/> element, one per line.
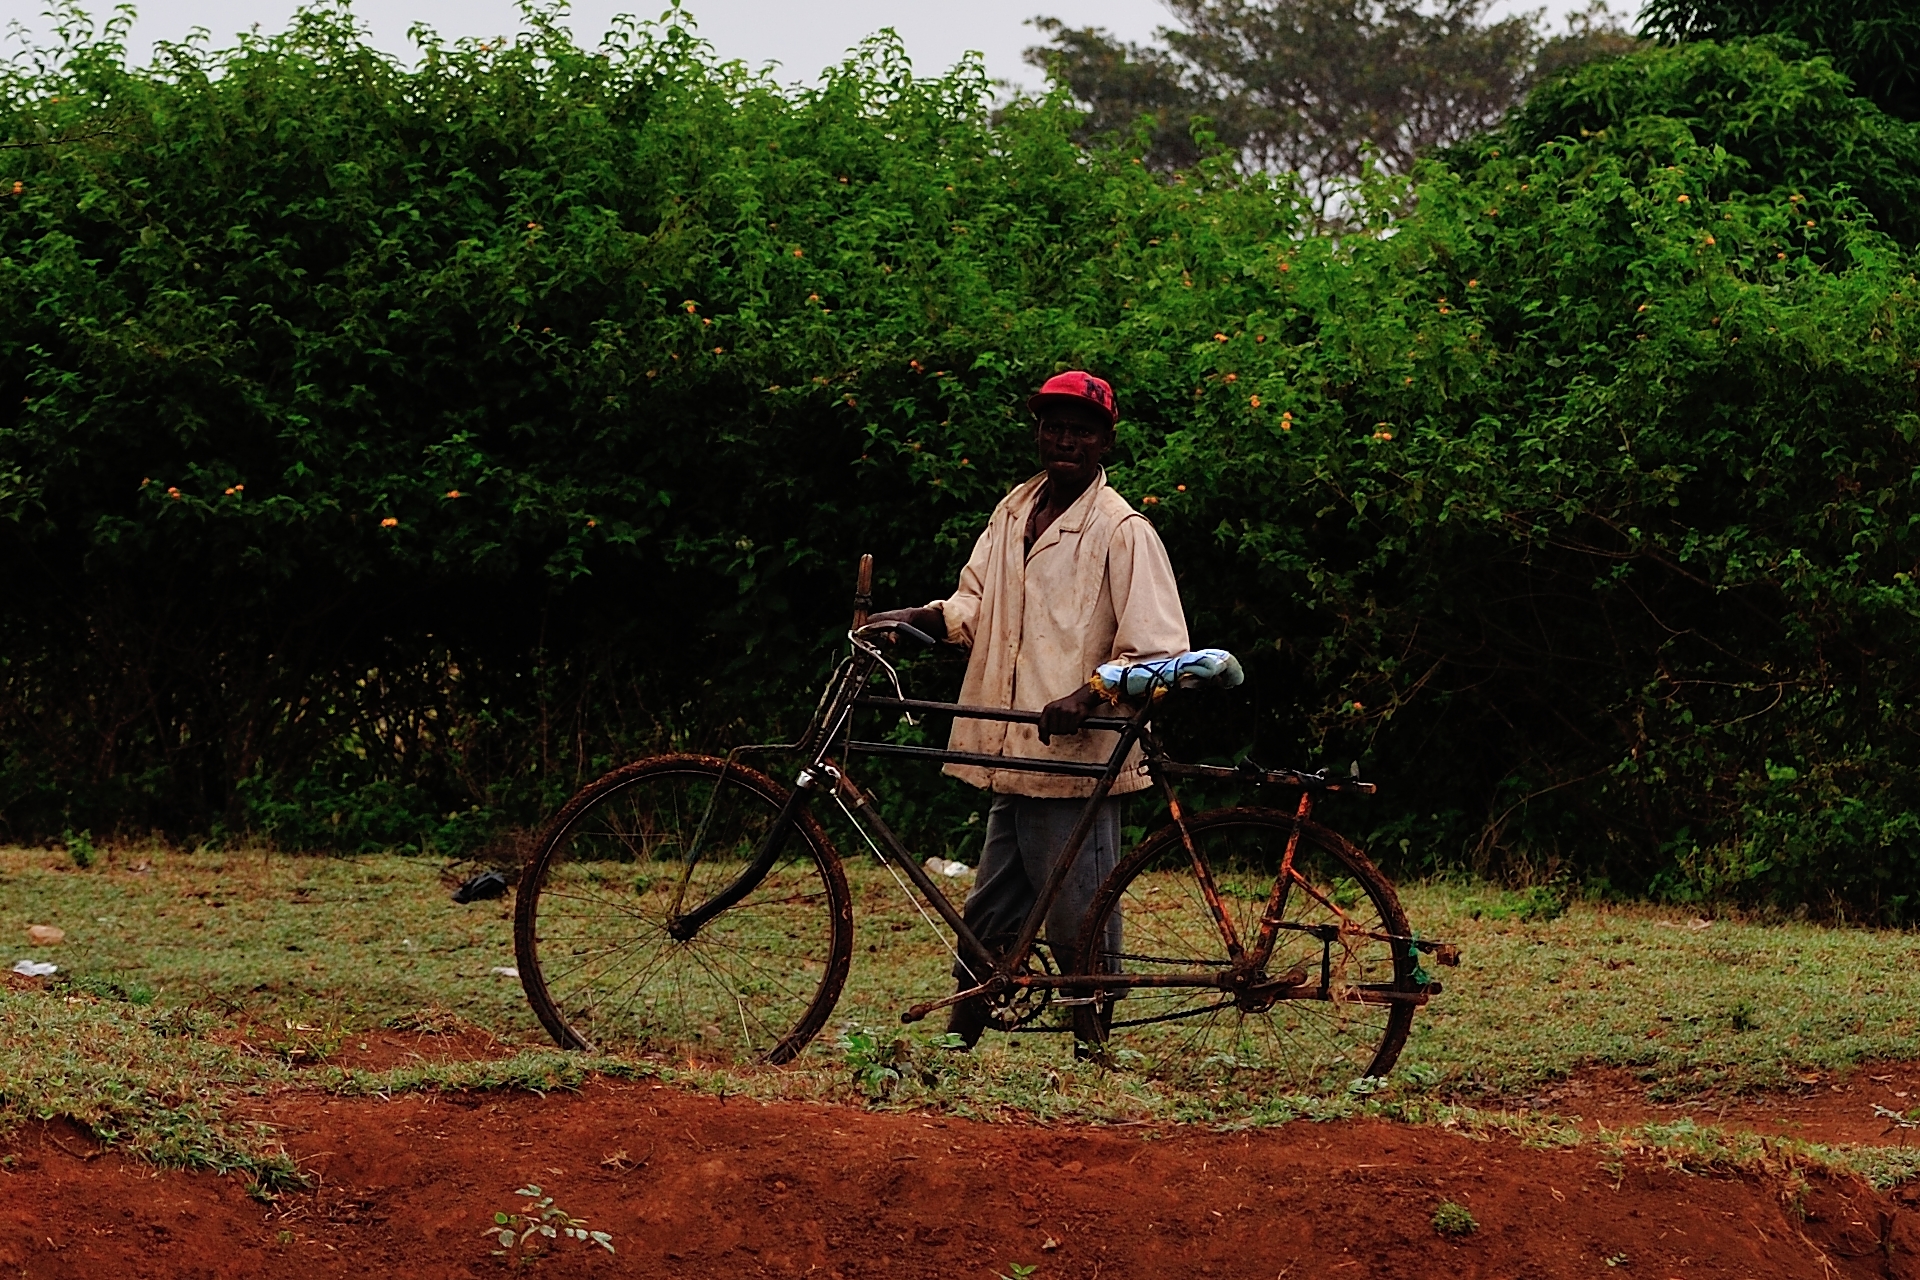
<point x="1259" y="337"/>
<point x="453" y="493"/>
<point x="1254" y="401"/>
<point x="691" y="307"/>
<point x="173" y="493"/>
<point x="798" y="253"/>
<point x="390" y="522"/>
<point x="592" y="523"/>
<point x="18" y="187"/>
<point x="1683" y="198"/>
<point x="1180" y="488"/>
<point x="1356" y="705"/>
<point x="719" y="351"/>
<point x="1232" y="377"/>
<point x="1473" y="284"/>
<point x="1149" y="501"/>
<point x="1219" y="337"/>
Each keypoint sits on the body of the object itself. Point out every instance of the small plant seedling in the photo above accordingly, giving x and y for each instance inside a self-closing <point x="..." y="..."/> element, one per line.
<point x="79" y="847"/>
<point x="539" y="1220"/>
<point x="878" y="1067"/>
<point x="1020" y="1270"/>
<point x="1452" y="1219"/>
<point x="1617" y="1260"/>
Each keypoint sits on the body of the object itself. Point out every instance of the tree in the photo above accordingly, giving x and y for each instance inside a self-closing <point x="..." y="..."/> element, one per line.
<point x="1875" y="43"/>
<point x="1315" y="86"/>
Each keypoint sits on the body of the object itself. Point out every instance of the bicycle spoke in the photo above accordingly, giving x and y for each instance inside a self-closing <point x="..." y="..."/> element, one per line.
<point x="1213" y="1035"/>
<point x="756" y="980"/>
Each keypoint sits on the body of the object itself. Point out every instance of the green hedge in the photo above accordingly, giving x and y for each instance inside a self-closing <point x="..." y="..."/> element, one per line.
<point x="1578" y="501"/>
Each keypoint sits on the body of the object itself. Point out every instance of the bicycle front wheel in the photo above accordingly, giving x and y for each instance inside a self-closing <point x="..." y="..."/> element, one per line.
<point x="1330" y="1022"/>
<point x="632" y="853"/>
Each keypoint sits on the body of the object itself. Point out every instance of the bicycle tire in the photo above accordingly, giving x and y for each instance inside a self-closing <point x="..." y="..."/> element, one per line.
<point x="1202" y="1035"/>
<point x="602" y="972"/>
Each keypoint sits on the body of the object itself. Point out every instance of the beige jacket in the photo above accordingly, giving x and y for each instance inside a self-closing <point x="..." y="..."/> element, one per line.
<point x="1096" y="588"/>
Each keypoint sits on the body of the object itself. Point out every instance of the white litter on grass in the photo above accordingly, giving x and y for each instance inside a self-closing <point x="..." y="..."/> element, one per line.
<point x="506" y="971"/>
<point x="35" y="968"/>
<point x="946" y="867"/>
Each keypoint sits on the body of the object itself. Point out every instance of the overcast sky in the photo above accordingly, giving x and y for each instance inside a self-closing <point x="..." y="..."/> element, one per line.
<point x="802" y="38"/>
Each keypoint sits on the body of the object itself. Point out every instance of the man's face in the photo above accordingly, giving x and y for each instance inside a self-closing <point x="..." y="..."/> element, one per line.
<point x="1072" y="441"/>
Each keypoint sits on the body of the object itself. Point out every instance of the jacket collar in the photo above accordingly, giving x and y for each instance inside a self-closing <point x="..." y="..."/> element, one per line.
<point x="1072" y="520"/>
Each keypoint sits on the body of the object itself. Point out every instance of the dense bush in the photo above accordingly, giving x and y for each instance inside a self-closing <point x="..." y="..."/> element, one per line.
<point x="385" y="451"/>
<point x="1876" y="44"/>
<point x="1790" y="124"/>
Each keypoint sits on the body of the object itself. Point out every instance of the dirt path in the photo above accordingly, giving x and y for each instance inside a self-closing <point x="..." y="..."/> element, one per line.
<point x="699" y="1187"/>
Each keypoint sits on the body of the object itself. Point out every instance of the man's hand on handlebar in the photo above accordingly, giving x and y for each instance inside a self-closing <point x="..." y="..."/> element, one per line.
<point x="931" y="621"/>
<point x="1064" y="716"/>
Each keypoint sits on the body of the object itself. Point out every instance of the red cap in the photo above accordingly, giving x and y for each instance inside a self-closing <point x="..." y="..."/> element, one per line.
<point x="1082" y="388"/>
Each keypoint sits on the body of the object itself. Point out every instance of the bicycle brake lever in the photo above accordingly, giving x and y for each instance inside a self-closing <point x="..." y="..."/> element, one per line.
<point x="891" y="629"/>
<point x="908" y="629"/>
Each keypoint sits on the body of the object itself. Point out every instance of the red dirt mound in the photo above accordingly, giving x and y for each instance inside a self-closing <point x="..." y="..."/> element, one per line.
<point x="698" y="1187"/>
<point x="1822" y="1108"/>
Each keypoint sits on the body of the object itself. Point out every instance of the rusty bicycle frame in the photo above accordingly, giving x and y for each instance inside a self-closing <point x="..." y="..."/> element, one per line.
<point x="1002" y="976"/>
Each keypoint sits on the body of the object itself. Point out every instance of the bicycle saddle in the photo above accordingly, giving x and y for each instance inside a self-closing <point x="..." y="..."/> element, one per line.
<point x="1154" y="679"/>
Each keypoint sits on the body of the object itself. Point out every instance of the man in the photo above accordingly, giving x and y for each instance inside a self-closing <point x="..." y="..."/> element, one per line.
<point x="1067" y="576"/>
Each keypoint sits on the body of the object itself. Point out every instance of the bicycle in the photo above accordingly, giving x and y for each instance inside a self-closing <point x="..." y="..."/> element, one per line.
<point x="692" y="906"/>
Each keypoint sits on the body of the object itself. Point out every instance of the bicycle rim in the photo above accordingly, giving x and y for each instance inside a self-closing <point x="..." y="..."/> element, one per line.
<point x="1203" y="1036"/>
<point x="654" y="840"/>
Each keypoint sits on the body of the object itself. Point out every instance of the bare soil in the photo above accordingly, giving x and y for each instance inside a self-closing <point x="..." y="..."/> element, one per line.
<point x="1832" y="1109"/>
<point x="694" y="1186"/>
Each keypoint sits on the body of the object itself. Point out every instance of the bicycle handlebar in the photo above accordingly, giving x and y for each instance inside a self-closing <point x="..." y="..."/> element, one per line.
<point x="897" y="628"/>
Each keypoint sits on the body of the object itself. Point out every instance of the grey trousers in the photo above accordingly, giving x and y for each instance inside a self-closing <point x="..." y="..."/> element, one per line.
<point x="1025" y="837"/>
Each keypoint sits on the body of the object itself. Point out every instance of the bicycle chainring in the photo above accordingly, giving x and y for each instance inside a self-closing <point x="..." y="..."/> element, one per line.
<point x="1021" y="1005"/>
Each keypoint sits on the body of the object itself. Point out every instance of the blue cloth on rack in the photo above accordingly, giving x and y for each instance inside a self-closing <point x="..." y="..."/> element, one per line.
<point x="1153" y="679"/>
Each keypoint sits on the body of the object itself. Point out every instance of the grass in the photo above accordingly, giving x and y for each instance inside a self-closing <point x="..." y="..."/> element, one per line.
<point x="189" y="980"/>
<point x="1684" y="1004"/>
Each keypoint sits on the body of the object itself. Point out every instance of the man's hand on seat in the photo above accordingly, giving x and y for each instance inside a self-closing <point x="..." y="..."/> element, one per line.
<point x="931" y="621"/>
<point x="1064" y="716"/>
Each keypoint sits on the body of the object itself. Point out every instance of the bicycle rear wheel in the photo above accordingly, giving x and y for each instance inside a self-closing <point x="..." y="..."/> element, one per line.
<point x="645" y="844"/>
<point x="1324" y="1032"/>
